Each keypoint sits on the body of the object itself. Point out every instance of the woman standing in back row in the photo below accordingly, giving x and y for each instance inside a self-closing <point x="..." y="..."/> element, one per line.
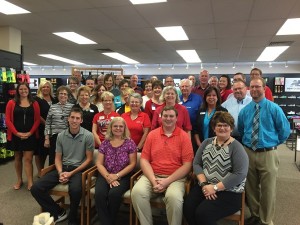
<point x="22" y="120"/>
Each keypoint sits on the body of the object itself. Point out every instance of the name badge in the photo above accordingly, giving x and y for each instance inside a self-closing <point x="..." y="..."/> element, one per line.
<point x="202" y="113"/>
<point x="101" y="117"/>
<point x="153" y="107"/>
<point x="91" y="111"/>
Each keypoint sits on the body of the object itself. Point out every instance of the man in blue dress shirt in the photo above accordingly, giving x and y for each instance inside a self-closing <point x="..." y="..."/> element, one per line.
<point x="260" y="143"/>
<point x="236" y="103"/>
<point x="192" y="102"/>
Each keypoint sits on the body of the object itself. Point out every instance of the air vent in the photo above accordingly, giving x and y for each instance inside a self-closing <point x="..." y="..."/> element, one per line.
<point x="281" y="43"/>
<point x="104" y="50"/>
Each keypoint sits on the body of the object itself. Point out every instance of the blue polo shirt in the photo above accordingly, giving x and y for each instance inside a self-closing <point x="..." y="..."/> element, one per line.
<point x="192" y="105"/>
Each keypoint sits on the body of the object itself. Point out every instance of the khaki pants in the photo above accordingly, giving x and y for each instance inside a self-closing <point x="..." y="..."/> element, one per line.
<point x="261" y="184"/>
<point x="173" y="198"/>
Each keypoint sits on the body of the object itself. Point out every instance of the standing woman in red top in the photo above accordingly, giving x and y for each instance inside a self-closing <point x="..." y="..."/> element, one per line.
<point x="154" y="102"/>
<point x="225" y="87"/>
<point x="23" y="120"/>
<point x="137" y="121"/>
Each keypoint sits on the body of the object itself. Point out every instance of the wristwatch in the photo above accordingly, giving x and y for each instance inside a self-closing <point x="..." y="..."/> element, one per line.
<point x="202" y="184"/>
<point x="216" y="188"/>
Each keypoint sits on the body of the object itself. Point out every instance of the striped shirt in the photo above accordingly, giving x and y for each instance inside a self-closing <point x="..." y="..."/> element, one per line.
<point x="57" y="118"/>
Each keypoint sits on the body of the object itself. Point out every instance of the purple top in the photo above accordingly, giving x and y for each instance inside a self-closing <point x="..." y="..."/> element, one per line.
<point x="116" y="158"/>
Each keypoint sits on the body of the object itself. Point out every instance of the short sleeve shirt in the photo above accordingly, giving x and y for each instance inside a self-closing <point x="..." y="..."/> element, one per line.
<point x="102" y="120"/>
<point x="116" y="158"/>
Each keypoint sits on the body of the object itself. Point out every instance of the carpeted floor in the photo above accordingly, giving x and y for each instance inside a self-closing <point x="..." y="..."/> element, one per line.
<point x="18" y="207"/>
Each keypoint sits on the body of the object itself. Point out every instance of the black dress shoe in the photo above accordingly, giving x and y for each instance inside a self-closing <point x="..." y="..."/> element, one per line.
<point x="253" y="220"/>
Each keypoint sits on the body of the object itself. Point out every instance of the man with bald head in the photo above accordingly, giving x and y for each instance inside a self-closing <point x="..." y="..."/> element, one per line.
<point x="134" y="84"/>
<point x="201" y="88"/>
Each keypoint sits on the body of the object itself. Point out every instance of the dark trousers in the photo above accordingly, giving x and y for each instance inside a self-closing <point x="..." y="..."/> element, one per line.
<point x="200" y="211"/>
<point x="108" y="200"/>
<point x="40" y="191"/>
<point x="52" y="148"/>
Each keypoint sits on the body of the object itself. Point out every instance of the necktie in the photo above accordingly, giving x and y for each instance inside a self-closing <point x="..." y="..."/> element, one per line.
<point x="254" y="135"/>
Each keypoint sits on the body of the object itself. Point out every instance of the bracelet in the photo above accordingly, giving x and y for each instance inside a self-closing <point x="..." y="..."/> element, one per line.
<point x="202" y="184"/>
<point x="118" y="176"/>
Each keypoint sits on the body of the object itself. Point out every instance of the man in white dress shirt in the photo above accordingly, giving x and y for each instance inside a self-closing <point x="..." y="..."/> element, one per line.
<point x="235" y="104"/>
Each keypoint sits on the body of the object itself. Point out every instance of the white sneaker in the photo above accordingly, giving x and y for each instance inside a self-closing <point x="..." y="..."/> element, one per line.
<point x="61" y="217"/>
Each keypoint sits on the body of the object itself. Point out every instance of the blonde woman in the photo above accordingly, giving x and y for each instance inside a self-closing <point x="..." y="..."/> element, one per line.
<point x="45" y="99"/>
<point x="125" y="95"/>
<point x="116" y="160"/>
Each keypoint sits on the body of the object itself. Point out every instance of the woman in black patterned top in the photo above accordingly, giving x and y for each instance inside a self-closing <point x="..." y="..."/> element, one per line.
<point x="89" y="110"/>
<point x="57" y="120"/>
<point x="221" y="166"/>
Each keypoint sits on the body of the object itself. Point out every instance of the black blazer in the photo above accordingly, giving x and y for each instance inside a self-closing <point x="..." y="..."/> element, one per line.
<point x="197" y="126"/>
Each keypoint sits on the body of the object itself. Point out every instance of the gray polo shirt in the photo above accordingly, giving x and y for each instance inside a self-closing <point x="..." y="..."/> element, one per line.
<point x="74" y="149"/>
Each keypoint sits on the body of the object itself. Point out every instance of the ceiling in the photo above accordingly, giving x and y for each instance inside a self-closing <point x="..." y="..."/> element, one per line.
<point x="230" y="31"/>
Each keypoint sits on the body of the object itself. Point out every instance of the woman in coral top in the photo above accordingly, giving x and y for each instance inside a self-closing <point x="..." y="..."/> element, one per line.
<point x="23" y="120"/>
<point x="225" y="87"/>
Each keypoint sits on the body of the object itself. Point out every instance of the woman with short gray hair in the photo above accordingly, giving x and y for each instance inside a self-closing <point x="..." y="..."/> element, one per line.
<point x="137" y="121"/>
<point x="170" y="98"/>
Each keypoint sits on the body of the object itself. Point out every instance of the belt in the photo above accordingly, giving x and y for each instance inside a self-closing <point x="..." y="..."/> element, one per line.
<point x="262" y="149"/>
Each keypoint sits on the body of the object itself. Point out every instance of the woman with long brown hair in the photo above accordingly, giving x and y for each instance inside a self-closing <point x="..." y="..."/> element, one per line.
<point x="22" y="120"/>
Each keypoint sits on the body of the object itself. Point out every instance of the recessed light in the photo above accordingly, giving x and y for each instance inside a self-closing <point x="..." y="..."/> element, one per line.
<point x="138" y="2"/>
<point x="174" y="33"/>
<point x="11" y="9"/>
<point x="290" y="27"/>
<point x="74" y="37"/>
<point x="190" y="56"/>
<point x="29" y="64"/>
<point x="120" y="57"/>
<point x="271" y="53"/>
<point x="62" y="59"/>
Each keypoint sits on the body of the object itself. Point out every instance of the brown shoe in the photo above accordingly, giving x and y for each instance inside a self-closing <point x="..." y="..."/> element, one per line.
<point x="253" y="220"/>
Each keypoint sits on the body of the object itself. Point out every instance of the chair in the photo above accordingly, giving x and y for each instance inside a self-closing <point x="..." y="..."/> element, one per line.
<point x="60" y="191"/>
<point x="239" y="216"/>
<point x="91" y="181"/>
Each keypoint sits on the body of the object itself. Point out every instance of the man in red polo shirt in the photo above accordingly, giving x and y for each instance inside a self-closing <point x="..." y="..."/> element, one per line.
<point x="165" y="161"/>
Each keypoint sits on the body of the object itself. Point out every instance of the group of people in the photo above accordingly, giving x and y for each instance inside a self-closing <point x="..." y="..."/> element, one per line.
<point x="228" y="133"/>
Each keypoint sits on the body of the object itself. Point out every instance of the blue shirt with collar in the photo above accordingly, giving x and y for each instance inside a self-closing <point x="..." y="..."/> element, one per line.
<point x="234" y="107"/>
<point x="274" y="127"/>
<point x="192" y="104"/>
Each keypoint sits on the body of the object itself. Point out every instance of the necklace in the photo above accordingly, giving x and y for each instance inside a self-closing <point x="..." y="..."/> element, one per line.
<point x="218" y="147"/>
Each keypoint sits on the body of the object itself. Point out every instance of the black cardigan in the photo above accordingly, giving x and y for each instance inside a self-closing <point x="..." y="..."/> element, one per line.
<point x="197" y="126"/>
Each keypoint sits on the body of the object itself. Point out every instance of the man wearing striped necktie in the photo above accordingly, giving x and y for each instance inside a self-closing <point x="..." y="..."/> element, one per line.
<point x="263" y="126"/>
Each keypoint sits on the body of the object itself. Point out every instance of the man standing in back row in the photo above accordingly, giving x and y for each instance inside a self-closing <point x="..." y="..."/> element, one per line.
<point x="263" y="126"/>
<point x="203" y="85"/>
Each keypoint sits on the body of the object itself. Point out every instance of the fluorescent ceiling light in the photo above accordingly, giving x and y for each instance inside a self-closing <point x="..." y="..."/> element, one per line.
<point x="29" y="64"/>
<point x="10" y="9"/>
<point x="121" y="57"/>
<point x="290" y="27"/>
<point x="190" y="56"/>
<point x="74" y="37"/>
<point x="138" y="2"/>
<point x="175" y="33"/>
<point x="271" y="53"/>
<point x="55" y="57"/>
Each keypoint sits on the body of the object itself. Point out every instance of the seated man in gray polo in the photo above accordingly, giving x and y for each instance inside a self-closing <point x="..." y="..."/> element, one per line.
<point x="74" y="154"/>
